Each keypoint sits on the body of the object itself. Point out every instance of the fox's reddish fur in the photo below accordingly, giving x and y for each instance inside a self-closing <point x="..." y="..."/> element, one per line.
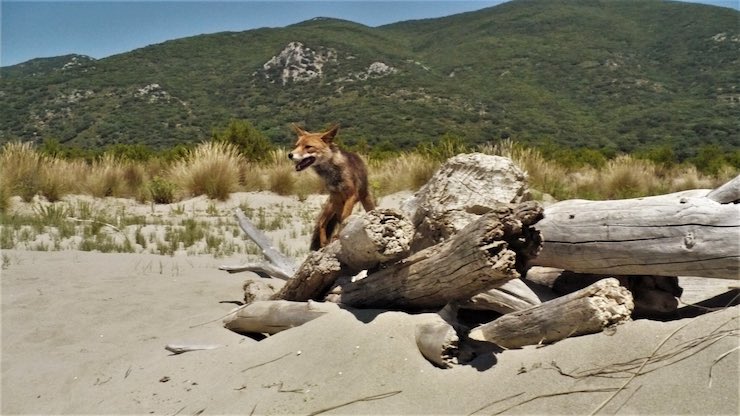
<point x="344" y="174"/>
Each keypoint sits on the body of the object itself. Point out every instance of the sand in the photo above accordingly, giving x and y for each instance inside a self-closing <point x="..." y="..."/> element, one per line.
<point x="84" y="333"/>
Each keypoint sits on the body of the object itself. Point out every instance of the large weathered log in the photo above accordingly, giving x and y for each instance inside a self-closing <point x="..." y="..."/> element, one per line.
<point x="463" y="188"/>
<point x="367" y="241"/>
<point x="271" y="317"/>
<point x="586" y="311"/>
<point x="490" y="250"/>
<point x="669" y="235"/>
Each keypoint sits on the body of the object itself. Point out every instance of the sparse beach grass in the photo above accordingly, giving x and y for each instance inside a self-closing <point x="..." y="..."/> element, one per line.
<point x="113" y="204"/>
<point x="192" y="227"/>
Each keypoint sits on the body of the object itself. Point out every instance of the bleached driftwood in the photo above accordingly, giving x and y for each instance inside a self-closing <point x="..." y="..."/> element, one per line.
<point x="375" y="238"/>
<point x="668" y="235"/>
<point x="513" y="295"/>
<point x="485" y="253"/>
<point x="586" y="311"/>
<point x="651" y="294"/>
<point x="271" y="317"/>
<point x="465" y="187"/>
<point x="315" y="275"/>
<point x="278" y="265"/>
<point x="437" y="338"/>
<point x="183" y="348"/>
<point x="728" y="193"/>
<point x="367" y="241"/>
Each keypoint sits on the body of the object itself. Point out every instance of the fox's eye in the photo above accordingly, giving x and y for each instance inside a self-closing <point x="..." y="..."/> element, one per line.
<point x="309" y="147"/>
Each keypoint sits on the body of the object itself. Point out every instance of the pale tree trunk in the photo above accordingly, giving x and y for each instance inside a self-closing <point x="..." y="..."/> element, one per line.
<point x="586" y="311"/>
<point x="668" y="235"/>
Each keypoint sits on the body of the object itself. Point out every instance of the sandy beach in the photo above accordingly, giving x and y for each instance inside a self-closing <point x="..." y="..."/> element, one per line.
<point x="84" y="333"/>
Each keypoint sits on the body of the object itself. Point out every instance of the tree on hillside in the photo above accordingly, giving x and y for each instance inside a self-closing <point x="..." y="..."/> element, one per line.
<point x="252" y="143"/>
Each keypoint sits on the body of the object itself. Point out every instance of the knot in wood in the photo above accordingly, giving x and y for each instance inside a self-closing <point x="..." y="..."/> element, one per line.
<point x="689" y="240"/>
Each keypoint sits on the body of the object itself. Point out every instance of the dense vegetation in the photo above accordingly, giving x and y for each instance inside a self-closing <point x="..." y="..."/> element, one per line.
<point x="655" y="78"/>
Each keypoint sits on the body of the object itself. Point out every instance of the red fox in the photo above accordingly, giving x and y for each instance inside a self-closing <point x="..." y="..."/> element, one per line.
<point x="344" y="174"/>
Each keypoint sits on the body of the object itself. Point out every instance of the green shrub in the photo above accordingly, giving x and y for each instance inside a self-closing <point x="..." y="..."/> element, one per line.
<point x="161" y="190"/>
<point x="249" y="141"/>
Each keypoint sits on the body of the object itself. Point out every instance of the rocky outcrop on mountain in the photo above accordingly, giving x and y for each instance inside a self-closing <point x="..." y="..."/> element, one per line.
<point x="297" y="63"/>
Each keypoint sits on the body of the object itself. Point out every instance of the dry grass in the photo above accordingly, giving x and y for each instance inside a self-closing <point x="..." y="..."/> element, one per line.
<point x="407" y="171"/>
<point x="217" y="169"/>
<point x="622" y="177"/>
<point x="20" y="163"/>
<point x="210" y="169"/>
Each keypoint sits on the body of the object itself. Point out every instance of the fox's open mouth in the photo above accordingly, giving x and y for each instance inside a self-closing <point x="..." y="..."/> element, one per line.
<point x="304" y="163"/>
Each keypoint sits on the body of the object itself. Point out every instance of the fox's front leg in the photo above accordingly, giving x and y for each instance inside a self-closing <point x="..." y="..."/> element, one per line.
<point x="321" y="233"/>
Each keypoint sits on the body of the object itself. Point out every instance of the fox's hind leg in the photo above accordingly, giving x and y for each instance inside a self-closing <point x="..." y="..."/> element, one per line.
<point x="367" y="203"/>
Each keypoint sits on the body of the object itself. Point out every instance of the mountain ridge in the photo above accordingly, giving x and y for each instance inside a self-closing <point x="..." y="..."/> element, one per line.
<point x="537" y="71"/>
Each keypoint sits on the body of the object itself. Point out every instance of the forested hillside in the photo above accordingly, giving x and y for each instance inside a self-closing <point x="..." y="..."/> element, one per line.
<point x="616" y="76"/>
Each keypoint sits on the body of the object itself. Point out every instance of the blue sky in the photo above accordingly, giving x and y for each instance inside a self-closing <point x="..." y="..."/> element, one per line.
<point x="33" y="29"/>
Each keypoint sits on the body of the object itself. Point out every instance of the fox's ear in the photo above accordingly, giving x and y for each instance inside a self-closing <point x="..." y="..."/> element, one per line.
<point x="299" y="131"/>
<point x="328" y="137"/>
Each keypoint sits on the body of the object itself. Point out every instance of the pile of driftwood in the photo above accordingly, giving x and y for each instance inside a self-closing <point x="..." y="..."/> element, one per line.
<point x="470" y="239"/>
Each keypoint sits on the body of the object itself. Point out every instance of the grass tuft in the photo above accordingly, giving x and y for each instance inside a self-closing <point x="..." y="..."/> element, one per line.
<point x="211" y="169"/>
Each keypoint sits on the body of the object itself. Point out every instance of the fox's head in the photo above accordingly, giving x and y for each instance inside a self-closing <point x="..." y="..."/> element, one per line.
<point x="312" y="147"/>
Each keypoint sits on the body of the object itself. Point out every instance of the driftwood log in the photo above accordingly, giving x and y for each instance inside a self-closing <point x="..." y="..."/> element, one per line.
<point x="464" y="248"/>
<point x="669" y="235"/>
<point x="586" y="311"/>
<point x="367" y="242"/>
<point x="487" y="252"/>
<point x="652" y="295"/>
<point x="465" y="187"/>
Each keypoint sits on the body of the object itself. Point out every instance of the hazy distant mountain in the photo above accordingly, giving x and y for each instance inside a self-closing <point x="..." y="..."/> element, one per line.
<point x="614" y="75"/>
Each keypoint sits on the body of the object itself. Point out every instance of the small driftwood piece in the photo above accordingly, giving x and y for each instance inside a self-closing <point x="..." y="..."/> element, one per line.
<point x="278" y="264"/>
<point x="271" y="317"/>
<point x="487" y="252"/>
<point x="437" y="341"/>
<point x="366" y="242"/>
<point x="678" y="234"/>
<point x="514" y="295"/>
<point x="587" y="311"/>
<point x="183" y="348"/>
